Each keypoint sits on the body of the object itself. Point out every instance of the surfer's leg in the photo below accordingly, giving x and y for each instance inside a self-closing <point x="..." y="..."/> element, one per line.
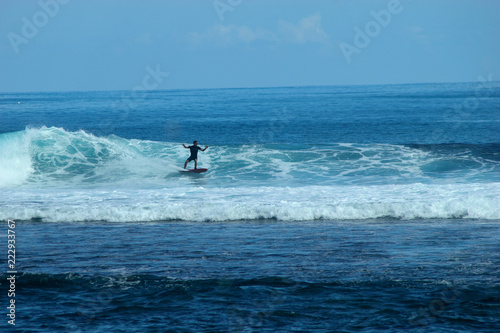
<point x="195" y="164"/>
<point x="186" y="163"/>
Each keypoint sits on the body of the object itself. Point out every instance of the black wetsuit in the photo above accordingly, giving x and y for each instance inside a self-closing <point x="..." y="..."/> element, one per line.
<point x="194" y="152"/>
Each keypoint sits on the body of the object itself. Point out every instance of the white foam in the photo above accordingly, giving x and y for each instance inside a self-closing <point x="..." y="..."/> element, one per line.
<point x="57" y="175"/>
<point x="15" y="160"/>
<point x="53" y="157"/>
<point x="58" y="158"/>
<point x="198" y="203"/>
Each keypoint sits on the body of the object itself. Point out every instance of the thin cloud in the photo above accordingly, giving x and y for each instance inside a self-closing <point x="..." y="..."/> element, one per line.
<point x="424" y="37"/>
<point x="307" y="30"/>
<point x="227" y="34"/>
<point x="144" y="39"/>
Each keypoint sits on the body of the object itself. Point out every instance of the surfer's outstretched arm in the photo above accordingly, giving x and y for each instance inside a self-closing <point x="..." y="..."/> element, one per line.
<point x="204" y="148"/>
<point x="185" y="146"/>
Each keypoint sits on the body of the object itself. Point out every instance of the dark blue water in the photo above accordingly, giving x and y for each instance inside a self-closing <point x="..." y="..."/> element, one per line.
<point x="259" y="276"/>
<point x="395" y="114"/>
<point x="325" y="209"/>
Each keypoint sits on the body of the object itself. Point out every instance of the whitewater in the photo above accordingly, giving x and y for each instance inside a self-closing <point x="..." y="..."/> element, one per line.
<point x="51" y="174"/>
<point x="346" y="208"/>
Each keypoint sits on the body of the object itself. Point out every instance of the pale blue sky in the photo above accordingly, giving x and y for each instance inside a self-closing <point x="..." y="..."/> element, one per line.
<point x="120" y="44"/>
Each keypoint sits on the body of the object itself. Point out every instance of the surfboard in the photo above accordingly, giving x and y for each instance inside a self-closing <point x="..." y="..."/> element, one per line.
<point x="199" y="170"/>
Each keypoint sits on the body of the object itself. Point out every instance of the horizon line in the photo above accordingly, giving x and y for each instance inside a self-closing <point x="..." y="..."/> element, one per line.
<point x="248" y="87"/>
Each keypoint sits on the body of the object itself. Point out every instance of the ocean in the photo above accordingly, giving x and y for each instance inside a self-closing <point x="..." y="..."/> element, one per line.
<point x="324" y="209"/>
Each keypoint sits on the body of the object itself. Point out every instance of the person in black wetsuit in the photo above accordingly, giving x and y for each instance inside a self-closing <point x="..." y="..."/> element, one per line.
<point x="194" y="153"/>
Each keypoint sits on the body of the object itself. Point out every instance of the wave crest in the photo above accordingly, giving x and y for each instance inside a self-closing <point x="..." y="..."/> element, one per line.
<point x="417" y="201"/>
<point x="55" y="157"/>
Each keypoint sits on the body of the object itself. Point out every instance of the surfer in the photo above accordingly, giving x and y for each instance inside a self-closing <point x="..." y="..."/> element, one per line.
<point x="194" y="153"/>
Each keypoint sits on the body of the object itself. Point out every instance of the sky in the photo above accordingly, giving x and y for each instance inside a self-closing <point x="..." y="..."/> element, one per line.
<point x="92" y="45"/>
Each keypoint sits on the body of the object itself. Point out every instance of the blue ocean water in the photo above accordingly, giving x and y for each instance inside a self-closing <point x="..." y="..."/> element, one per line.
<point x="325" y="209"/>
